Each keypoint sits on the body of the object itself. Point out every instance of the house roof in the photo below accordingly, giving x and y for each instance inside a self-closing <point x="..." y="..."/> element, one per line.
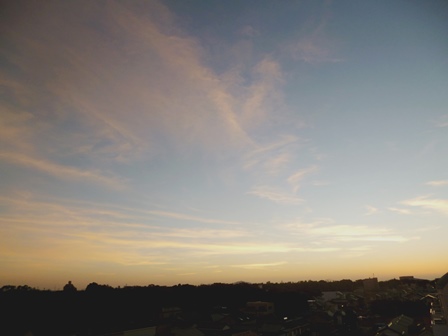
<point x="443" y="281"/>
<point x="191" y="331"/>
<point x="400" y="324"/>
<point x="150" y="331"/>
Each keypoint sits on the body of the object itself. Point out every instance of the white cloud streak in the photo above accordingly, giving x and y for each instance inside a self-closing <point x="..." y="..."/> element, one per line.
<point x="151" y="82"/>
<point x="324" y="230"/>
<point x="371" y="210"/>
<point x="260" y="266"/>
<point x="438" y="183"/>
<point x="315" y="47"/>
<point x="425" y="202"/>
<point x="273" y="156"/>
<point x="401" y="211"/>
<point x="295" y="179"/>
<point x="442" y="121"/>
<point x="64" y="172"/>
<point x="275" y="195"/>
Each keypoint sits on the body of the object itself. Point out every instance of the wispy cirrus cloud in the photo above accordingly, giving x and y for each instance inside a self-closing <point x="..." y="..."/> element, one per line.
<point x="190" y="218"/>
<point x="380" y="238"/>
<point x="116" y="236"/>
<point x="313" y="49"/>
<point x="400" y="210"/>
<point x="349" y="230"/>
<point x="275" y="195"/>
<point x="61" y="171"/>
<point x="315" y="46"/>
<point x="249" y="31"/>
<point x="371" y="210"/>
<point x="355" y="252"/>
<point x="299" y="224"/>
<point x="295" y="179"/>
<point x="137" y="234"/>
<point x="326" y="230"/>
<point x="152" y="83"/>
<point x="110" y="214"/>
<point x="273" y="156"/>
<point x="15" y="128"/>
<point x="425" y="202"/>
<point x="275" y="164"/>
<point x="438" y="183"/>
<point x="428" y="228"/>
<point x="260" y="266"/>
<point x="263" y="95"/>
<point x="442" y="121"/>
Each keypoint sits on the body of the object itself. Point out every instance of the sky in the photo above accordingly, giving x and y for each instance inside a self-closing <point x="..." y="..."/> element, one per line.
<point x="190" y="141"/>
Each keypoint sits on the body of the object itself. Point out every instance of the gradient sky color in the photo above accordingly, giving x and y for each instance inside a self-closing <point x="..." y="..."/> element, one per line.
<point x="187" y="141"/>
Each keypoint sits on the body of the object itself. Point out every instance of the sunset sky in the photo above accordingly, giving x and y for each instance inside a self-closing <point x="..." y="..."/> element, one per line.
<point x="189" y="141"/>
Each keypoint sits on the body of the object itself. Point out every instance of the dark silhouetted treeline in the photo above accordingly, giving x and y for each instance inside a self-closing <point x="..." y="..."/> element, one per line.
<point x="392" y="308"/>
<point x="315" y="287"/>
<point x="101" y="308"/>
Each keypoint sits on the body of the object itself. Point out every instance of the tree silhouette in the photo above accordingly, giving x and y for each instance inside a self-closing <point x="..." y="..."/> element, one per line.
<point x="69" y="287"/>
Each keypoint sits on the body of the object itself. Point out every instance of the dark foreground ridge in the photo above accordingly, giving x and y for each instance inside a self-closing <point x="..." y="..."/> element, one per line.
<point x="362" y="307"/>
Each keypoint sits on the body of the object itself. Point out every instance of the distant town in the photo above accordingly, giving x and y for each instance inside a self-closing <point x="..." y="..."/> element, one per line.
<point x="368" y="307"/>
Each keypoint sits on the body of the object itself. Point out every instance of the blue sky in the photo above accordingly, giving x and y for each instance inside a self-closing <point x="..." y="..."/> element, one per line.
<point x="217" y="141"/>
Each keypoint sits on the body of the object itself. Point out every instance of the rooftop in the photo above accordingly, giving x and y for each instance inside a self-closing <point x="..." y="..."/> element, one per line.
<point x="443" y="281"/>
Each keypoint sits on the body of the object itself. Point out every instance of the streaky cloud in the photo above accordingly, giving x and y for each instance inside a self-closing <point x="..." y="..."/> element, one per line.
<point x="325" y="230"/>
<point x="272" y="156"/>
<point x="371" y="210"/>
<point x="400" y="211"/>
<point x="427" y="203"/>
<point x="442" y="121"/>
<point x="438" y="183"/>
<point x="260" y="266"/>
<point x="275" y="195"/>
<point x="295" y="179"/>
<point x="61" y="171"/>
